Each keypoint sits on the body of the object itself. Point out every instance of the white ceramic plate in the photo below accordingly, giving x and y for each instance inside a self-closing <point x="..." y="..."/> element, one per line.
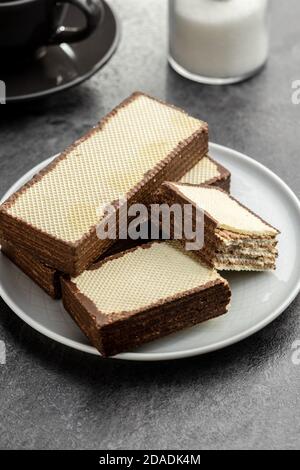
<point x="258" y="298"/>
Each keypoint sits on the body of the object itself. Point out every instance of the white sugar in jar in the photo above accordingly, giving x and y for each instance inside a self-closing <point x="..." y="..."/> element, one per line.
<point x="218" y="41"/>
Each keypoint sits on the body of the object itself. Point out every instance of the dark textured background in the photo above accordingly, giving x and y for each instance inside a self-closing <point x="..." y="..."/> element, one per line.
<point x="246" y="396"/>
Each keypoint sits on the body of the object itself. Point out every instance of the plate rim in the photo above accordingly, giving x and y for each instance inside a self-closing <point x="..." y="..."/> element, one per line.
<point x="77" y="81"/>
<point x="146" y="357"/>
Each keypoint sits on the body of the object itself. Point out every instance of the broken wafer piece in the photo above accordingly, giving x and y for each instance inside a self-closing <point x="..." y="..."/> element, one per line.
<point x="44" y="276"/>
<point x="234" y="237"/>
<point x="208" y="171"/>
<point x="136" y="147"/>
<point x="143" y="294"/>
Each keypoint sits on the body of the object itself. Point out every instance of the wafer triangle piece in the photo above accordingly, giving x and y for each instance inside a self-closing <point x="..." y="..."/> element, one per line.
<point x="234" y="237"/>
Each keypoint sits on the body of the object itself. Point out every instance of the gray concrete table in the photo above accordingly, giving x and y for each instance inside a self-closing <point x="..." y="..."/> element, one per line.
<point x="246" y="396"/>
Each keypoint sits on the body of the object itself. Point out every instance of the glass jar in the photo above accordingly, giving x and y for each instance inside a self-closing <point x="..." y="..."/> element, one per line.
<point x="218" y="41"/>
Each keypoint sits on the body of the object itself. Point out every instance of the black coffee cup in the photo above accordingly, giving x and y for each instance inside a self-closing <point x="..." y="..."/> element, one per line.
<point x="28" y="25"/>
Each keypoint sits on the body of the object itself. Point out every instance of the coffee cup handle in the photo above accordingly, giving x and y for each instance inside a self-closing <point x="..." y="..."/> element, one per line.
<point x="93" y="11"/>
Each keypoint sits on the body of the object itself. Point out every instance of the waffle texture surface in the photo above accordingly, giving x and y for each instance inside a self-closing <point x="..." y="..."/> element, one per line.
<point x="202" y="172"/>
<point x="157" y="272"/>
<point x="227" y="212"/>
<point x="68" y="200"/>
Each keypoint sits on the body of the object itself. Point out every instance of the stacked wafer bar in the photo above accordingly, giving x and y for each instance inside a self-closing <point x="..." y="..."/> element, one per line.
<point x="206" y="171"/>
<point x="143" y="294"/>
<point x="234" y="237"/>
<point x="136" y="147"/>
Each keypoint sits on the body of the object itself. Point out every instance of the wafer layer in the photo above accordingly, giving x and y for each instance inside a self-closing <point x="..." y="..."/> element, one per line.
<point x="44" y="276"/>
<point x="144" y="294"/>
<point x="128" y="155"/>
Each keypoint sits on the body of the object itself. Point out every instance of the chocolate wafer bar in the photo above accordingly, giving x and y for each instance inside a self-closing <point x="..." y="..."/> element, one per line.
<point x="234" y="237"/>
<point x="136" y="147"/>
<point x="143" y="294"/>
<point x="208" y="172"/>
<point x="44" y="276"/>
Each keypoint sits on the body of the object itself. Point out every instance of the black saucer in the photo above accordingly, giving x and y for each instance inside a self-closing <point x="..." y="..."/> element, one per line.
<point x="67" y="65"/>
